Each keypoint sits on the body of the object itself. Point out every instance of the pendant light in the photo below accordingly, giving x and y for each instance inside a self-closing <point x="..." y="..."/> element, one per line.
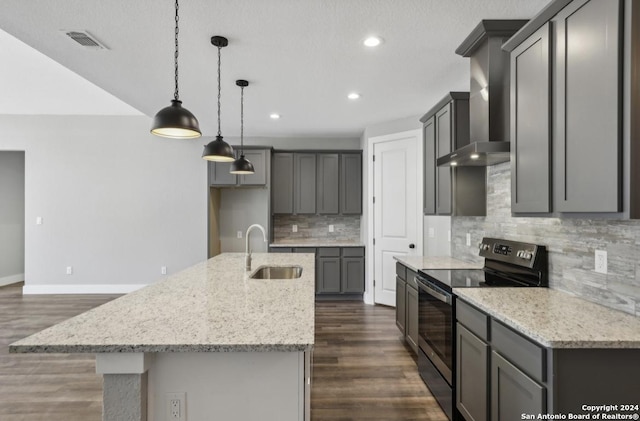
<point x="242" y="165"/>
<point x="174" y="121"/>
<point x="218" y="150"/>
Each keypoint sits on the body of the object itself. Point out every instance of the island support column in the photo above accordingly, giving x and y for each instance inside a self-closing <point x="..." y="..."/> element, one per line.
<point x="125" y="385"/>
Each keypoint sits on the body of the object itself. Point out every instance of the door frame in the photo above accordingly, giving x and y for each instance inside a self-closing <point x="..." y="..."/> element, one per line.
<point x="369" y="294"/>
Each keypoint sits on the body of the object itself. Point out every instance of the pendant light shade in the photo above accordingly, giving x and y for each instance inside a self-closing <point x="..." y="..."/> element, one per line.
<point x="218" y="150"/>
<point x="242" y="165"/>
<point x="175" y="121"/>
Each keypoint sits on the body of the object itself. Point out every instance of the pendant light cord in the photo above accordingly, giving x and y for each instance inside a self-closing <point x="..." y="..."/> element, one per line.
<point x="176" y="94"/>
<point x="219" y="132"/>
<point x="242" y="121"/>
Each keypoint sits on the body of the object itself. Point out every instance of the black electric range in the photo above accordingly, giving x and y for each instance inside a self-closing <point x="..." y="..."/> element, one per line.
<point x="507" y="264"/>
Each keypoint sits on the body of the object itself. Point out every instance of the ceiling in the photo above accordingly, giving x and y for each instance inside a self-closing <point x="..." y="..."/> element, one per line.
<point x="301" y="57"/>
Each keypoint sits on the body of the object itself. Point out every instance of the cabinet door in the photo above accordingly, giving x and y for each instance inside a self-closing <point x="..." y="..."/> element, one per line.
<point x="328" y="183"/>
<point x="430" y="166"/>
<point x="259" y="160"/>
<point x="472" y="360"/>
<point x="351" y="184"/>
<point x="219" y="174"/>
<point x="282" y="183"/>
<point x="587" y="136"/>
<point x="353" y="275"/>
<point x="530" y="124"/>
<point x="328" y="275"/>
<point x="401" y="309"/>
<point x="412" y="317"/>
<point x="443" y="147"/>
<point x="513" y="393"/>
<point x="304" y="183"/>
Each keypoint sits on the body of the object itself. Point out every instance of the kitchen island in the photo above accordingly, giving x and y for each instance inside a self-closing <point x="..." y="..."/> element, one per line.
<point x="222" y="344"/>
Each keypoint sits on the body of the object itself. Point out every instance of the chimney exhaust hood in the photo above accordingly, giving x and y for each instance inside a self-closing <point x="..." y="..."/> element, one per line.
<point x="489" y="95"/>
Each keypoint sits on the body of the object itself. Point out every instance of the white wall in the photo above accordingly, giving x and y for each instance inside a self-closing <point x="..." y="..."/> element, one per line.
<point x="11" y="217"/>
<point x="117" y="203"/>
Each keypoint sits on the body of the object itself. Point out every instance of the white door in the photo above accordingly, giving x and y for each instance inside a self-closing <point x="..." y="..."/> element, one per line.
<point x="396" y="210"/>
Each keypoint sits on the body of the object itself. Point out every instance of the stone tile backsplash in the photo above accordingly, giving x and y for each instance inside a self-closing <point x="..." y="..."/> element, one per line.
<point x="571" y="244"/>
<point x="316" y="227"/>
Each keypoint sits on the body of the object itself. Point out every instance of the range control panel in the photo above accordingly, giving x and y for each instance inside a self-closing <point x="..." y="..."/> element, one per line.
<point x="514" y="252"/>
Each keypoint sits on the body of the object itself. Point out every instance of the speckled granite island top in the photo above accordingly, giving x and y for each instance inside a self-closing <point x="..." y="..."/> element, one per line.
<point x="416" y="263"/>
<point x="210" y="307"/>
<point x="556" y="319"/>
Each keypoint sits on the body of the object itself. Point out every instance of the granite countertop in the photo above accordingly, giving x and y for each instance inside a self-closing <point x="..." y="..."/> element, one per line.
<point x="416" y="263"/>
<point x="210" y="307"/>
<point x="317" y="243"/>
<point x="556" y="319"/>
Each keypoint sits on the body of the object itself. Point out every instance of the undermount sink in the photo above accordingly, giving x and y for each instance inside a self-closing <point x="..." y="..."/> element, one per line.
<point x="277" y="272"/>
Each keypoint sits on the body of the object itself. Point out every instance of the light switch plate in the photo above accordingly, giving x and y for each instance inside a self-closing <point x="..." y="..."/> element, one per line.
<point x="331" y="228"/>
<point x="239" y="234"/>
<point x="39" y="220"/>
<point x="294" y="228"/>
<point x="432" y="233"/>
<point x="601" y="261"/>
<point x="468" y="239"/>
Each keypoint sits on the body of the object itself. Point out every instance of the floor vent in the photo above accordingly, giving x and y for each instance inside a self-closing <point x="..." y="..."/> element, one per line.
<point x="85" y="39"/>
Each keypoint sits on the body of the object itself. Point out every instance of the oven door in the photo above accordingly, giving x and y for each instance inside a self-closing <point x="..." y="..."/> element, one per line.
<point x="435" y="325"/>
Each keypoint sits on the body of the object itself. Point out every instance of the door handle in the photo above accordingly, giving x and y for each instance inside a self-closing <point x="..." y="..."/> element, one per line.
<point x="412" y="246"/>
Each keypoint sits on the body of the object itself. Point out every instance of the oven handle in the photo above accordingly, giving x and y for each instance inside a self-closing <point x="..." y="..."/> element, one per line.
<point x="434" y="291"/>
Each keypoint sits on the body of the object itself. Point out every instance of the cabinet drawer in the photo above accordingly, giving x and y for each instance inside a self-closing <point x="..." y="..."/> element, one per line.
<point x="526" y="355"/>
<point x="401" y="271"/>
<point x="328" y="252"/>
<point x="411" y="278"/>
<point x="353" y="252"/>
<point x="474" y="320"/>
<point x="304" y="250"/>
<point x="280" y="250"/>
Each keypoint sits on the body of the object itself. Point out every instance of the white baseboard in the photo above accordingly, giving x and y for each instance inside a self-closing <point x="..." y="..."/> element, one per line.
<point x="80" y="289"/>
<point x="8" y="280"/>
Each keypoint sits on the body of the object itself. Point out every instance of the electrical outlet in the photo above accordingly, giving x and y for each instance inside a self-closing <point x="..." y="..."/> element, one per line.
<point x="294" y="228"/>
<point x="432" y="233"/>
<point x="239" y="234"/>
<point x="449" y="235"/>
<point x="39" y="220"/>
<point x="331" y="228"/>
<point x="601" y="261"/>
<point x="69" y="270"/>
<point x="163" y="270"/>
<point x="176" y="407"/>
<point x="468" y="239"/>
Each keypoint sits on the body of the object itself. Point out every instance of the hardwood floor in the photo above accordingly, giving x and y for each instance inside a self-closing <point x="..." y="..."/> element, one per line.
<point x="362" y="370"/>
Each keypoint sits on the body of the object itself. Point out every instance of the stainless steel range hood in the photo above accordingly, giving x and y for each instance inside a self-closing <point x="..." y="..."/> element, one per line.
<point x="488" y="95"/>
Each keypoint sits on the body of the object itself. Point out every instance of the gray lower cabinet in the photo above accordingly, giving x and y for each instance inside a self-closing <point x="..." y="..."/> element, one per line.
<point x="219" y="175"/>
<point x="471" y="388"/>
<point x="304" y="183"/>
<point x="352" y="275"/>
<point x="328" y="183"/>
<point x="328" y="275"/>
<point x="531" y="124"/>
<point x="513" y="393"/>
<point x="340" y="271"/>
<point x="282" y="183"/>
<point x="412" y="317"/>
<point x="351" y="184"/>
<point x="401" y="309"/>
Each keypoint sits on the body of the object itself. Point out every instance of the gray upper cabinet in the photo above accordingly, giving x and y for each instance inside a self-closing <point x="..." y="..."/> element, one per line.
<point x="430" y="166"/>
<point x="531" y="125"/>
<point x="282" y="183"/>
<point x="259" y="160"/>
<point x="328" y="183"/>
<point x="219" y="175"/>
<point x="587" y="135"/>
<point x="443" y="147"/>
<point x="304" y="183"/>
<point x="351" y="184"/>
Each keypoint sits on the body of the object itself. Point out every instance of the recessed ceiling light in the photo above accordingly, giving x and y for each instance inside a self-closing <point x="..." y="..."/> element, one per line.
<point x="372" y="41"/>
<point x="474" y="156"/>
<point x="274" y="116"/>
<point x="454" y="163"/>
<point x="353" y="95"/>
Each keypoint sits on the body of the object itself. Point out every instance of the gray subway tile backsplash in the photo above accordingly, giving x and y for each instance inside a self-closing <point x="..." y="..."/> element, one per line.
<point x="571" y="243"/>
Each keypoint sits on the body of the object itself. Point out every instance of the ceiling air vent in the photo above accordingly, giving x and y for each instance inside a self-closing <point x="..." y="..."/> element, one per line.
<point x="85" y="39"/>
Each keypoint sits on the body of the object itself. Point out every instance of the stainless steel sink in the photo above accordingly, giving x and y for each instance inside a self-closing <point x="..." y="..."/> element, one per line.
<point x="277" y="272"/>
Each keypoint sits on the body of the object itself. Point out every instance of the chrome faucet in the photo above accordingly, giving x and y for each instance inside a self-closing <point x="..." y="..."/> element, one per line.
<point x="247" y="257"/>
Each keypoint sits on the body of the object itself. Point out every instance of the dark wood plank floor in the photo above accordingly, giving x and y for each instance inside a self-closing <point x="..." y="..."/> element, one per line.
<point x="362" y="370"/>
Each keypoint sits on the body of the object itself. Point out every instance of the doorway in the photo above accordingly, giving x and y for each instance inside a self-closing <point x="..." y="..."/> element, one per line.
<point x="395" y="217"/>
<point x="12" y="219"/>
